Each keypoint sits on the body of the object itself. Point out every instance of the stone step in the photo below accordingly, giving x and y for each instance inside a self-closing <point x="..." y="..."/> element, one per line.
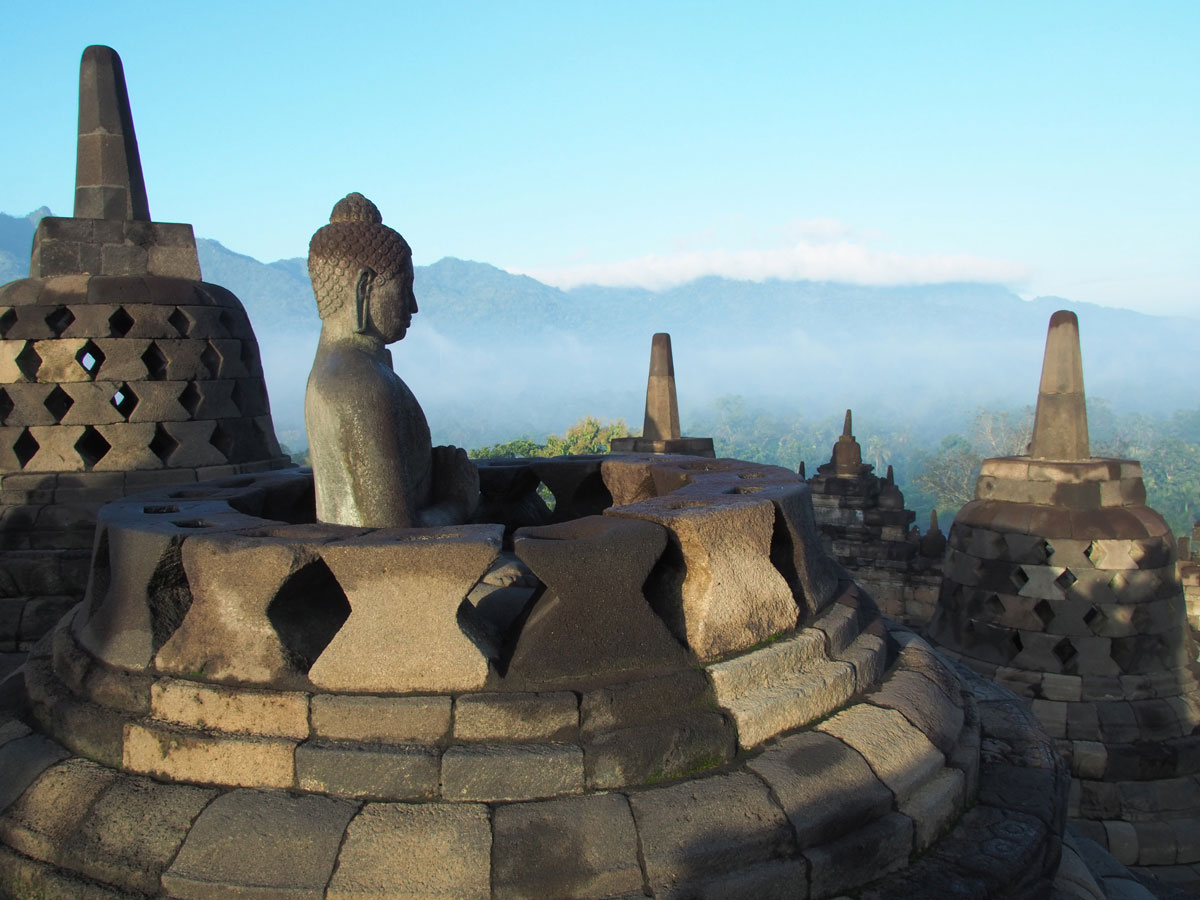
<point x="758" y="669"/>
<point x="791" y="701"/>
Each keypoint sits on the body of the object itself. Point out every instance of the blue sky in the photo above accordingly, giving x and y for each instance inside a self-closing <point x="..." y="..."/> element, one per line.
<point x="1052" y="147"/>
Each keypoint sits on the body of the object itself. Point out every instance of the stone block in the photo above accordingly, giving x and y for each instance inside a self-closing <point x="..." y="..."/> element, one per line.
<point x="39" y="823"/>
<point x="177" y="754"/>
<point x="406" y="590"/>
<point x="924" y="705"/>
<point x="899" y="754"/>
<point x="934" y="806"/>
<point x="861" y="856"/>
<point x="717" y="588"/>
<point x="1122" y="842"/>
<point x="592" y="619"/>
<point x="367" y="771"/>
<point x="1088" y="759"/>
<point x="710" y="827"/>
<point x="119" y="689"/>
<point x="574" y="847"/>
<point x="519" y="717"/>
<point x="791" y="702"/>
<point x="252" y="843"/>
<point x="659" y="750"/>
<point x="825" y="787"/>
<point x="492" y="772"/>
<point x="433" y="850"/>
<point x="133" y="831"/>
<point x="22" y="760"/>
<point x="219" y="708"/>
<point x="388" y="720"/>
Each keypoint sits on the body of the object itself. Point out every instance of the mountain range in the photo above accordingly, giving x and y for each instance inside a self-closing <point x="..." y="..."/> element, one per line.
<point x="486" y="339"/>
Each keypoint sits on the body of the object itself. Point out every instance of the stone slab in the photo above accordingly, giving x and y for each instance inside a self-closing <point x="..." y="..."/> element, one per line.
<point x="517" y="717"/>
<point x="253" y="844"/>
<point x="200" y="757"/>
<point x="492" y="772"/>
<point x="898" y="753"/>
<point x="574" y="847"/>
<point x="432" y="851"/>
<point x="368" y="772"/>
<point x="392" y="720"/>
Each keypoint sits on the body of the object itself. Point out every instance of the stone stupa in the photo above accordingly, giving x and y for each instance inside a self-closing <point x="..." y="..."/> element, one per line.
<point x="1061" y="584"/>
<point x="865" y="526"/>
<point x="120" y="370"/>
<point x="661" y="431"/>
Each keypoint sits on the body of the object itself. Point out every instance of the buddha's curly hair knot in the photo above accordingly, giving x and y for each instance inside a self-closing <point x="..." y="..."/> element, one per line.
<point x="355" y="238"/>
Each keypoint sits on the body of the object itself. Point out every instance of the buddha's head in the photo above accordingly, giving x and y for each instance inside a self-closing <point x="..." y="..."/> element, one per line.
<point x="357" y="258"/>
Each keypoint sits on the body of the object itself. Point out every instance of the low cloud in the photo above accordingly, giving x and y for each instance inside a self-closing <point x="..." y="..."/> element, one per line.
<point x="805" y="260"/>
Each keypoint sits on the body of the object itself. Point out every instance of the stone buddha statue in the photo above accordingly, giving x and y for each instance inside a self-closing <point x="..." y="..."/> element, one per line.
<point x="372" y="458"/>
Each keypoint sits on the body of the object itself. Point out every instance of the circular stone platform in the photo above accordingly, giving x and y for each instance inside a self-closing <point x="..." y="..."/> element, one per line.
<point x="248" y="703"/>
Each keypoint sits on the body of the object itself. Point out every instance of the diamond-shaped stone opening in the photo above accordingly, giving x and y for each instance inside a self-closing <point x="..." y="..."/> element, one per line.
<point x="120" y="322"/>
<point x="124" y="401"/>
<point x="163" y="445"/>
<point x="1047" y="549"/>
<point x="1044" y="611"/>
<point x="29" y="361"/>
<point x="307" y="613"/>
<point x="1117" y="584"/>
<point x="210" y="359"/>
<point x="92" y="447"/>
<point x="1095" y="553"/>
<point x="1018" y="578"/>
<point x="7" y="321"/>
<point x="90" y="358"/>
<point x="1017" y="644"/>
<point x="156" y="363"/>
<point x="1094" y="618"/>
<point x="180" y="321"/>
<point x="25" y="447"/>
<point x="6" y="406"/>
<point x="222" y="439"/>
<point x="225" y="318"/>
<point x="1065" y="651"/>
<point x="59" y="319"/>
<point x="1066" y="579"/>
<point x="59" y="402"/>
<point x="238" y="396"/>
<point x="250" y="356"/>
<point x="190" y="397"/>
<point x="994" y="605"/>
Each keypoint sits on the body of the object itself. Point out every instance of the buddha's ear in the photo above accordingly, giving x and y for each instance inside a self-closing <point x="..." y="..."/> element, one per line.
<point x="362" y="297"/>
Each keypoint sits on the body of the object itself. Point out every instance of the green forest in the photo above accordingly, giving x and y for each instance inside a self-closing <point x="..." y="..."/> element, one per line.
<point x="932" y="474"/>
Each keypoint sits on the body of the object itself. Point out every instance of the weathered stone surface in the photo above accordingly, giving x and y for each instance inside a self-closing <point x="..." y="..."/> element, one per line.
<point x="826" y="788"/>
<point x="22" y="760"/>
<point x="934" y="805"/>
<point x="197" y="756"/>
<point x="898" y="753"/>
<point x="797" y="549"/>
<point x="233" y="631"/>
<point x="415" y="850"/>
<point x="1060" y="426"/>
<point x="491" y="772"/>
<point x="711" y="827"/>
<point x="406" y="591"/>
<point x="391" y="720"/>
<point x="861" y="856"/>
<point x="367" y="772"/>
<point x="40" y="822"/>
<point x="207" y="706"/>
<point x="519" y="717"/>
<point x="246" y="843"/>
<point x="574" y="847"/>
<point x="924" y="705"/>
<point x="716" y="587"/>
<point x="133" y="831"/>
<point x="592" y="619"/>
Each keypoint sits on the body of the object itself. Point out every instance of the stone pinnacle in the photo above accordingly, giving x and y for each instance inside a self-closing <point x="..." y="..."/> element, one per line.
<point x="1060" y="429"/>
<point x="847" y="431"/>
<point x="108" y="169"/>
<point x="662" y="406"/>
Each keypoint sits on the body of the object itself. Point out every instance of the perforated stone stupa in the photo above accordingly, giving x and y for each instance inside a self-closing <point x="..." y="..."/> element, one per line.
<point x="1061" y="584"/>
<point x="120" y="370"/>
<point x="865" y="526"/>
<point x="661" y="431"/>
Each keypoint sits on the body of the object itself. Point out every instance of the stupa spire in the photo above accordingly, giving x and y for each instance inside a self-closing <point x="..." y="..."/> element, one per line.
<point x="662" y="406"/>
<point x="1060" y="428"/>
<point x="108" y="169"/>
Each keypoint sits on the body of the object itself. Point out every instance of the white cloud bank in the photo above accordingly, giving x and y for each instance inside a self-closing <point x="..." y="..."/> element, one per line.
<point x="806" y="260"/>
